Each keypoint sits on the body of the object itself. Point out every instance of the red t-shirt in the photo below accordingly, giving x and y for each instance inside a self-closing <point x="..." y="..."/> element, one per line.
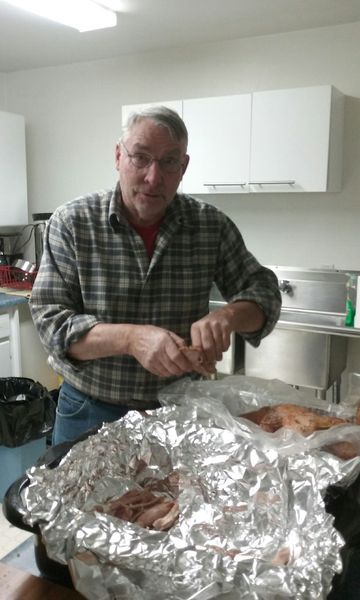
<point x="148" y="234"/>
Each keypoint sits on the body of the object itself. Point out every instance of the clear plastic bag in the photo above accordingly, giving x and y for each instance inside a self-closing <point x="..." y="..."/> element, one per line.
<point x="353" y="393"/>
<point x="228" y="399"/>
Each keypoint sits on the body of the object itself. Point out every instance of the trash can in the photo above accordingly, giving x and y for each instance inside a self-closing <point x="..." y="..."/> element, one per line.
<point x="27" y="414"/>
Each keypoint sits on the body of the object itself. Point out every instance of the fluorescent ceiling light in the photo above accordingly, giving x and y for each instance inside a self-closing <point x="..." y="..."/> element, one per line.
<point x="84" y="15"/>
<point x="115" y="5"/>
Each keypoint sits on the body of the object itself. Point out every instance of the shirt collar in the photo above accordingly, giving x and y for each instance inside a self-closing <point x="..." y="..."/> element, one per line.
<point x="176" y="212"/>
<point x="117" y="217"/>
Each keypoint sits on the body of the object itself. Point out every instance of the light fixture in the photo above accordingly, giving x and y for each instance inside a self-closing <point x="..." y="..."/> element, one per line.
<point x="84" y="15"/>
<point x="115" y="5"/>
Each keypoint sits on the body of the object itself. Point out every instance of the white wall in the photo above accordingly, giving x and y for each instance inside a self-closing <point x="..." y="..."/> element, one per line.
<point x="3" y="91"/>
<point x="73" y="120"/>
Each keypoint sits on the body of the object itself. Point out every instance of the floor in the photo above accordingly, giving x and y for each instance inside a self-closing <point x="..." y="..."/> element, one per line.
<point x="10" y="536"/>
<point x="16" y="546"/>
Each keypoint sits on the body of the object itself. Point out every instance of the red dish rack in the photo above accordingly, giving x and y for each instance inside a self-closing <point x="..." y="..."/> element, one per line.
<point x="12" y="277"/>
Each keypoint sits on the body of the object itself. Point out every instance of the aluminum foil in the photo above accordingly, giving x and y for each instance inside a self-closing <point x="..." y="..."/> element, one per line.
<point x="252" y="521"/>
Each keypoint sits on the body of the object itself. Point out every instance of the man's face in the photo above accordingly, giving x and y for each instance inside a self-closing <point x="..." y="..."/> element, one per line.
<point x="148" y="191"/>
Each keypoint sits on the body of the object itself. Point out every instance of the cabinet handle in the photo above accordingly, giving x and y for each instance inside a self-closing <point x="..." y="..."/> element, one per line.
<point x="279" y="182"/>
<point x="260" y="182"/>
<point x="241" y="184"/>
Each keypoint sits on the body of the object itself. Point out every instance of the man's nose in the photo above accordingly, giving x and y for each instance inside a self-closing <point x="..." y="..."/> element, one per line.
<point x="154" y="173"/>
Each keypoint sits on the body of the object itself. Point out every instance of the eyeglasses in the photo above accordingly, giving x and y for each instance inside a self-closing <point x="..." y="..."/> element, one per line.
<point x="142" y="160"/>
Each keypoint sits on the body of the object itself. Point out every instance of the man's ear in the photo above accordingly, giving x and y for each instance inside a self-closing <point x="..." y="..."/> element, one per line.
<point x="185" y="164"/>
<point x="117" y="155"/>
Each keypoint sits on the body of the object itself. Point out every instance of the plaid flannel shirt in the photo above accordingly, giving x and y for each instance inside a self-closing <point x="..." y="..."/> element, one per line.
<point x="95" y="269"/>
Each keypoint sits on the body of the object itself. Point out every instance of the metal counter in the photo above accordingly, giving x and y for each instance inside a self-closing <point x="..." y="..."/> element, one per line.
<point x="294" y="324"/>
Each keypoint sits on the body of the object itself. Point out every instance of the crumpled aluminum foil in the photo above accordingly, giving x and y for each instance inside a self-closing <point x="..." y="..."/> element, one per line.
<point x="252" y="521"/>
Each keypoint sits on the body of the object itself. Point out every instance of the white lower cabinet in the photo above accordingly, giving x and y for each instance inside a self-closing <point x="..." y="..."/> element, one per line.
<point x="33" y="356"/>
<point x="21" y="352"/>
<point x="5" y="358"/>
<point x="5" y="349"/>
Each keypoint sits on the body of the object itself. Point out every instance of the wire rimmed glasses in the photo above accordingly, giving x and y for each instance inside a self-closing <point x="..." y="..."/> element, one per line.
<point x="143" y="160"/>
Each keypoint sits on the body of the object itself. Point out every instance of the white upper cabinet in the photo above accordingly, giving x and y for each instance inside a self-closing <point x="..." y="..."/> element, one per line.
<point x="219" y="144"/>
<point x="296" y="140"/>
<point x="275" y="141"/>
<point x="13" y="185"/>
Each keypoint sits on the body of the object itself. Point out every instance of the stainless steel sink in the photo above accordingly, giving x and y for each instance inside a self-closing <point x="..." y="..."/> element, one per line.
<point x="305" y="354"/>
<point x="303" y="358"/>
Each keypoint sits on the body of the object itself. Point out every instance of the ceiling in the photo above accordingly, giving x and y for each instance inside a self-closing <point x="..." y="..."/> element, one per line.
<point x="28" y="41"/>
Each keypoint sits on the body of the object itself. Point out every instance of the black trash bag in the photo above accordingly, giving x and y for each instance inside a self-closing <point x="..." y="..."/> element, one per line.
<point x="344" y="504"/>
<point x="27" y="411"/>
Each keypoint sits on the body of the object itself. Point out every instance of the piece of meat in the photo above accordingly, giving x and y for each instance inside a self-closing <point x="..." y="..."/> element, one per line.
<point x="143" y="507"/>
<point x="132" y="504"/>
<point x="196" y="357"/>
<point x="154" y="514"/>
<point x="168" y="520"/>
<point x="305" y="421"/>
<point x="256" y="416"/>
<point x="343" y="450"/>
<point x="281" y="557"/>
<point x="299" y="418"/>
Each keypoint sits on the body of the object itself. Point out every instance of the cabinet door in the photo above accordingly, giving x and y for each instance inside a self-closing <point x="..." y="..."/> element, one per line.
<point x="13" y="186"/>
<point x="5" y="359"/>
<point x="290" y="140"/>
<point x="219" y="143"/>
<point x="5" y="350"/>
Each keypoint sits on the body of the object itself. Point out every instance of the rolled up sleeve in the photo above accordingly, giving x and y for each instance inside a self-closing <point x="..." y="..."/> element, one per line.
<point x="241" y="277"/>
<point x="56" y="301"/>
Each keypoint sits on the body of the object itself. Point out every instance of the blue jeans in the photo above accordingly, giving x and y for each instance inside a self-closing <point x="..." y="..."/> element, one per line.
<point x="76" y="413"/>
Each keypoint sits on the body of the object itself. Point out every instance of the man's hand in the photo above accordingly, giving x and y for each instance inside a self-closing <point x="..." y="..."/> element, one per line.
<point x="158" y="350"/>
<point x="213" y="332"/>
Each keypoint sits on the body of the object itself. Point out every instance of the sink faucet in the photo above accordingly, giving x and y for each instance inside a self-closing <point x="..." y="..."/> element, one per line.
<point x="284" y="286"/>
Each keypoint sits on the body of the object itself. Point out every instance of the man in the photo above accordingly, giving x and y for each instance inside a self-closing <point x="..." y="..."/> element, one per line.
<point x="125" y="279"/>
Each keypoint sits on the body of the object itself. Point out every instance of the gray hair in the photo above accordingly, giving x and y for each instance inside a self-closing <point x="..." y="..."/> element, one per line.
<point x="162" y="116"/>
